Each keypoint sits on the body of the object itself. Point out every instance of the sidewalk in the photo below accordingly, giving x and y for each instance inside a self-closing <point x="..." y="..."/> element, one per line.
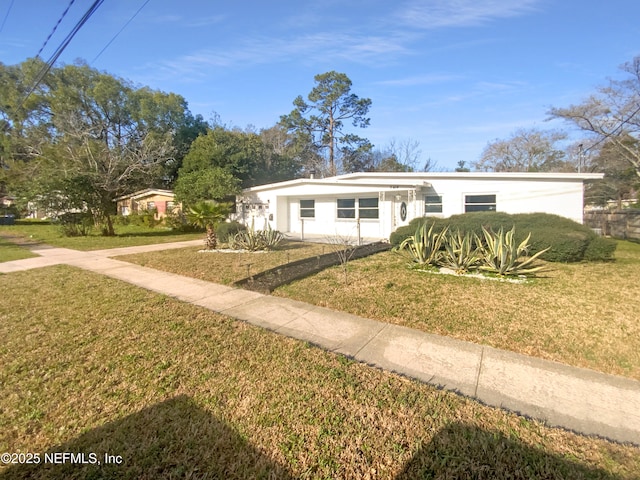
<point x="578" y="399"/>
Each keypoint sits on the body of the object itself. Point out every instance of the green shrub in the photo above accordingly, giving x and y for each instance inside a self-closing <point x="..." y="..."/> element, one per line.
<point x="177" y="221"/>
<point x="76" y="224"/>
<point x="144" y="218"/>
<point x="121" y="219"/>
<point x="226" y="230"/>
<point x="566" y="240"/>
<point x="600" y="249"/>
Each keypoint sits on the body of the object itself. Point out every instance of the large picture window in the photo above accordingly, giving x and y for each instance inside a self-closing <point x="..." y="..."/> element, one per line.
<point x="368" y="207"/>
<point x="346" y="208"/>
<point x="307" y="209"/>
<point x="433" y="204"/>
<point x="479" y="203"/>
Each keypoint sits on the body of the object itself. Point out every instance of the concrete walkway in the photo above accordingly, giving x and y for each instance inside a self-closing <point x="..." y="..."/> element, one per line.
<point x="578" y="399"/>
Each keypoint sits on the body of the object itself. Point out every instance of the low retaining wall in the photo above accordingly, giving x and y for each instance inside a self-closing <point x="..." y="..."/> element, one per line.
<point x="623" y="224"/>
<point x="269" y="280"/>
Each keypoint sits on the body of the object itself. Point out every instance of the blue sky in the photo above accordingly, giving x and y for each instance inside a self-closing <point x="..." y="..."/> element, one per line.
<point x="450" y="74"/>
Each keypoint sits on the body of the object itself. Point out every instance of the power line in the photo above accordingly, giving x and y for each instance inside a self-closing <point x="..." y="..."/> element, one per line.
<point x="120" y="31"/>
<point x="55" y="27"/>
<point x="45" y="69"/>
<point x="6" y="15"/>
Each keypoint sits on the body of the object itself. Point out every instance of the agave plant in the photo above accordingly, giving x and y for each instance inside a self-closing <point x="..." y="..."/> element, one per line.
<point x="207" y="215"/>
<point x="501" y="254"/>
<point x="460" y="252"/>
<point x="423" y="248"/>
<point x="253" y="240"/>
<point x="270" y="237"/>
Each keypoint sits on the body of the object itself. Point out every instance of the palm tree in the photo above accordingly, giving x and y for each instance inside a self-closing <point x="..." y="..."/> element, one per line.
<point x="207" y="215"/>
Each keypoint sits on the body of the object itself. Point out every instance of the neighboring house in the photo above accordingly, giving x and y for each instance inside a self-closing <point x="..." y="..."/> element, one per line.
<point x="50" y="206"/>
<point x="373" y="205"/>
<point x="163" y="201"/>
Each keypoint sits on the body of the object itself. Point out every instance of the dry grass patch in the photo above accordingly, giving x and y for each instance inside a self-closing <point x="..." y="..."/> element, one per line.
<point x="582" y="314"/>
<point x="224" y="268"/>
<point x="89" y="364"/>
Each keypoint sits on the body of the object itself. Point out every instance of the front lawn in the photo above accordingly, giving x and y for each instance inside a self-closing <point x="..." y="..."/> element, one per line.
<point x="225" y="268"/>
<point x="126" y="236"/>
<point x="169" y="390"/>
<point x="583" y="314"/>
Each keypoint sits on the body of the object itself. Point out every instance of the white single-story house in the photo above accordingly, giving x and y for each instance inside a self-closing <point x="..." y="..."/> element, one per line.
<point x="373" y="205"/>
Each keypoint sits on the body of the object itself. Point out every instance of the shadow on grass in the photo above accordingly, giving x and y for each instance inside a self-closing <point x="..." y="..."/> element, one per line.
<point x="172" y="439"/>
<point x="464" y="451"/>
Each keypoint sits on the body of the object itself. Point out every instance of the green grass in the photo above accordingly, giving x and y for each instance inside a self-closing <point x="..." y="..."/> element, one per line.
<point x="90" y="364"/>
<point x="583" y="314"/>
<point x="126" y="236"/>
<point x="9" y="251"/>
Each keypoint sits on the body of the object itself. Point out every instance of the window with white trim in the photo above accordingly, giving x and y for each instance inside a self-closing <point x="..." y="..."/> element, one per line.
<point x="346" y="208"/>
<point x="368" y="208"/>
<point x="307" y="209"/>
<point x="479" y="203"/>
<point x="432" y="204"/>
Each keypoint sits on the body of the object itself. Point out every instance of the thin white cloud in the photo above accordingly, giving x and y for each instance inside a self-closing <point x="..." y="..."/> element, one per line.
<point x="416" y="80"/>
<point x="312" y="47"/>
<point x="430" y="14"/>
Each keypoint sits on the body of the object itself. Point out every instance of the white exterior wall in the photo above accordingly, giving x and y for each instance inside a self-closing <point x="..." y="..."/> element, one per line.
<point x="562" y="198"/>
<point x="560" y="194"/>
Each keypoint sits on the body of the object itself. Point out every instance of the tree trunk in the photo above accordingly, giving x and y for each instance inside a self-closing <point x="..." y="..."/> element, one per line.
<point x="108" y="230"/>
<point x="211" y="241"/>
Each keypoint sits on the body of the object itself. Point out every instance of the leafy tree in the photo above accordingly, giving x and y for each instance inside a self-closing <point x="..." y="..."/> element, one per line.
<point x="191" y="128"/>
<point x="250" y="157"/>
<point x="319" y="122"/>
<point x="207" y="215"/>
<point x="88" y="137"/>
<point x="211" y="183"/>
<point x="529" y="150"/>
<point x="234" y="151"/>
<point x="612" y="115"/>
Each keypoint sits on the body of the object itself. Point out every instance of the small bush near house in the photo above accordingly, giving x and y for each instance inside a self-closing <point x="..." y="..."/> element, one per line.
<point x="76" y="224"/>
<point x="601" y="249"/>
<point x="145" y="218"/>
<point x="227" y="230"/>
<point x="566" y="240"/>
<point x="177" y="221"/>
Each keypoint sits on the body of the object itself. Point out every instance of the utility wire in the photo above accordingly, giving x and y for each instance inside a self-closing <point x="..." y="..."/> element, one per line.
<point x="55" y="27"/>
<point x="45" y="69"/>
<point x="6" y="15"/>
<point x="120" y="31"/>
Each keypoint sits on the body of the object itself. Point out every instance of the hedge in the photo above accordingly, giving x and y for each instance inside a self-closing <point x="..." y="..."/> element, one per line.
<point x="569" y="240"/>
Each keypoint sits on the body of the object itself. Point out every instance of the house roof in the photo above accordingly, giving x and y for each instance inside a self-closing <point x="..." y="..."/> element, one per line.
<point x="394" y="179"/>
<point x="147" y="192"/>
